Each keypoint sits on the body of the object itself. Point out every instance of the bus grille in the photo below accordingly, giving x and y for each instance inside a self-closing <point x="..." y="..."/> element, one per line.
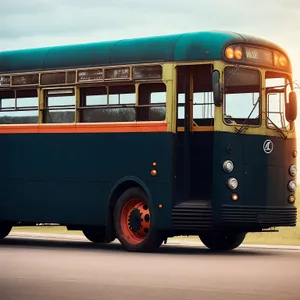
<point x="192" y="215"/>
<point x="258" y="215"/>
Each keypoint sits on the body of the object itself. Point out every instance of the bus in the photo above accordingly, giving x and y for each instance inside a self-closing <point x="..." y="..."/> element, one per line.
<point x="149" y="138"/>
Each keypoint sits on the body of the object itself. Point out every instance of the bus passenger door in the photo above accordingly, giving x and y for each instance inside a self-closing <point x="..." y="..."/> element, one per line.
<point x="195" y="120"/>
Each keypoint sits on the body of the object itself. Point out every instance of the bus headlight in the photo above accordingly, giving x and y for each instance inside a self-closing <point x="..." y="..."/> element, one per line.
<point x="292" y="186"/>
<point x="232" y="183"/>
<point x="228" y="166"/>
<point x="293" y="170"/>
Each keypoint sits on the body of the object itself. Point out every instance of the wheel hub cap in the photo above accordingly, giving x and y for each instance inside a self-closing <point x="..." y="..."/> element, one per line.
<point x="135" y="220"/>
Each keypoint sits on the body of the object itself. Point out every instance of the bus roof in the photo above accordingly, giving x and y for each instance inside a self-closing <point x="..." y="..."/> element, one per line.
<point x="193" y="46"/>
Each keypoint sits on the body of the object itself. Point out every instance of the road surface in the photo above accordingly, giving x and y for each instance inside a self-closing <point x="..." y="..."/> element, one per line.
<point x="33" y="269"/>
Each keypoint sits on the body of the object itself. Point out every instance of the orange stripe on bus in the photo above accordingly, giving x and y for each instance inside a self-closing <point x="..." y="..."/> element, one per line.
<point x="85" y="127"/>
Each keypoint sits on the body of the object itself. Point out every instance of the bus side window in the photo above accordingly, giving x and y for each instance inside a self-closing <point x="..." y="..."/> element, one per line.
<point x="203" y="107"/>
<point x="59" y="108"/>
<point x="122" y="101"/>
<point x="180" y="109"/>
<point x="19" y="107"/>
<point x="152" y="102"/>
<point x="92" y="102"/>
<point x="108" y="104"/>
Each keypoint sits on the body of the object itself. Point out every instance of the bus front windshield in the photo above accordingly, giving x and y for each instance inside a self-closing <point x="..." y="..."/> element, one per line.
<point x="278" y="87"/>
<point x="242" y="96"/>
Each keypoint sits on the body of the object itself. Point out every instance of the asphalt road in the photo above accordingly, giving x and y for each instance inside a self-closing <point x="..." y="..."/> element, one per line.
<point x="47" y="269"/>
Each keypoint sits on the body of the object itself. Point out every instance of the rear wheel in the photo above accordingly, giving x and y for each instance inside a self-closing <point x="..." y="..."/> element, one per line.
<point x="5" y="229"/>
<point x="96" y="236"/>
<point x="134" y="223"/>
<point x="219" y="241"/>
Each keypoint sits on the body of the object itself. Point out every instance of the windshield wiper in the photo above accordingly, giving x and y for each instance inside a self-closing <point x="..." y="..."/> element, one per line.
<point x="245" y="126"/>
<point x="278" y="129"/>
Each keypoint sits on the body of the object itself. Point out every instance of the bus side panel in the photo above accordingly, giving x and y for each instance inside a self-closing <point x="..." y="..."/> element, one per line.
<point x="262" y="182"/>
<point x="67" y="178"/>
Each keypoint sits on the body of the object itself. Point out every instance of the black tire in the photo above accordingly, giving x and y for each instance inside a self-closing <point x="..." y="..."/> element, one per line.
<point x="218" y="241"/>
<point x="5" y="230"/>
<point x="96" y="236"/>
<point x="153" y="239"/>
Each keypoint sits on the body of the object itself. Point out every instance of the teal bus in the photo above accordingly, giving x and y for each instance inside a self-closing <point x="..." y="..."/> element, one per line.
<point x="149" y="138"/>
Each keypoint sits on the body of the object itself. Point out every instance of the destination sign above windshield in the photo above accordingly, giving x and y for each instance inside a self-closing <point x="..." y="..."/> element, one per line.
<point x="260" y="56"/>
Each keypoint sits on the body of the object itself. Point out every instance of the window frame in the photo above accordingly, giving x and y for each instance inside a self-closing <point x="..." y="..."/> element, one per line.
<point x="136" y="105"/>
<point x="56" y="92"/>
<point x="16" y="108"/>
<point x="288" y="78"/>
<point x="260" y="105"/>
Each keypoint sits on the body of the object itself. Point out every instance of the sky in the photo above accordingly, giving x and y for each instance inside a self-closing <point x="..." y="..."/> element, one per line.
<point x="38" y="23"/>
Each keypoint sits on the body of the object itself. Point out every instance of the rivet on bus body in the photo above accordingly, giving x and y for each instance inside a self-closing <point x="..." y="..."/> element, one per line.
<point x="295" y="153"/>
<point x="153" y="172"/>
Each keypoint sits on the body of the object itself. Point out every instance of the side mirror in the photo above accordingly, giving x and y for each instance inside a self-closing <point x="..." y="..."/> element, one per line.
<point x="291" y="107"/>
<point x="217" y="88"/>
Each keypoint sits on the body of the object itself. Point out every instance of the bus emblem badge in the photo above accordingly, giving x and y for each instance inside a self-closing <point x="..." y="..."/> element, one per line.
<point x="268" y="146"/>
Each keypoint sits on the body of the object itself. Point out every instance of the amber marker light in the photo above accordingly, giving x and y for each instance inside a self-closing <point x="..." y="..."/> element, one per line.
<point x="276" y="59"/>
<point x="154" y="164"/>
<point x="229" y="52"/>
<point x="238" y="54"/>
<point x="283" y="61"/>
<point x="160" y="206"/>
<point x="295" y="153"/>
<point x="235" y="197"/>
<point x="153" y="172"/>
<point x="292" y="198"/>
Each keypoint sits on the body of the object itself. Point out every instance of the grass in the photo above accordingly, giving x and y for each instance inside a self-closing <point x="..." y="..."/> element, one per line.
<point x="285" y="236"/>
<point x="46" y="229"/>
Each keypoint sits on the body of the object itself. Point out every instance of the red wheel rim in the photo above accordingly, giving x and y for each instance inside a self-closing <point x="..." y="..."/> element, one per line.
<point x="135" y="221"/>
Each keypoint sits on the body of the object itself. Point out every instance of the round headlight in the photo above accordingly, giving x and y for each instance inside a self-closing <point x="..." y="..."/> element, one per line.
<point x="292" y="186"/>
<point x="232" y="183"/>
<point x="293" y="170"/>
<point x="228" y="166"/>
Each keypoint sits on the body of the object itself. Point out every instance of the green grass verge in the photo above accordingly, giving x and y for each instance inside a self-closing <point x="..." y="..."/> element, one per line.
<point x="46" y="229"/>
<point x="285" y="236"/>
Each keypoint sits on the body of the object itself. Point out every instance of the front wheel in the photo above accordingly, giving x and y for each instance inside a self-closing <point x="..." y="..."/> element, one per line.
<point x="222" y="241"/>
<point x="134" y="223"/>
<point x="4" y="230"/>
